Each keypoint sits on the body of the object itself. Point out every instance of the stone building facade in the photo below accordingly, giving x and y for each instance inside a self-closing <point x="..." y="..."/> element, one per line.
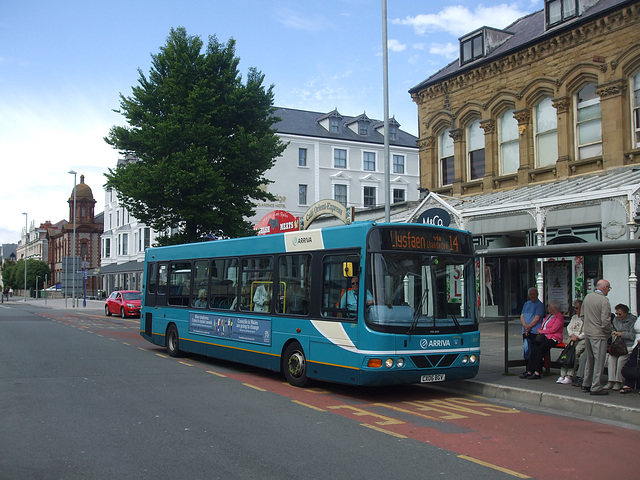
<point x="502" y="101"/>
<point x="88" y="228"/>
<point x="532" y="137"/>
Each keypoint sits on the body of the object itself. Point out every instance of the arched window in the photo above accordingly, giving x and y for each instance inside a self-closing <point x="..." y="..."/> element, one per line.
<point x="636" y="109"/>
<point x="546" y="133"/>
<point x="588" y="122"/>
<point x="509" y="143"/>
<point x="445" y="154"/>
<point x="475" y="148"/>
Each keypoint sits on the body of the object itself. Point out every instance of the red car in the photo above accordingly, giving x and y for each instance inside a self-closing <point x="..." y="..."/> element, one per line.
<point x="124" y="303"/>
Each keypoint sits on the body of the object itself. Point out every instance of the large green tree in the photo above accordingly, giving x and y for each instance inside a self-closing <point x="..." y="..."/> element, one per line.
<point x="201" y="139"/>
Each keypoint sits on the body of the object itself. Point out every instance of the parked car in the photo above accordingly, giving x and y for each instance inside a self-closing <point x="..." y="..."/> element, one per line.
<point x="124" y="303"/>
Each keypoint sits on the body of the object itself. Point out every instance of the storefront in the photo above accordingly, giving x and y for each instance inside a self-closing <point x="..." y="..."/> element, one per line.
<point x="592" y="208"/>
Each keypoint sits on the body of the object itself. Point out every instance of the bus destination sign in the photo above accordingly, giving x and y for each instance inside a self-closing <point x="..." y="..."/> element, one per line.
<point x="424" y="240"/>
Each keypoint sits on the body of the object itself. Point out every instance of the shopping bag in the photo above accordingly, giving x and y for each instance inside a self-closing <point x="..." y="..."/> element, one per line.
<point x="568" y="355"/>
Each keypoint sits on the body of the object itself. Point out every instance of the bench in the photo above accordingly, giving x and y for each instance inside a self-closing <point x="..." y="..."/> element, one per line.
<point x="548" y="363"/>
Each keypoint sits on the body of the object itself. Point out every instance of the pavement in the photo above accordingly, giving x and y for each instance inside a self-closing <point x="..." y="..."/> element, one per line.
<point x="493" y="380"/>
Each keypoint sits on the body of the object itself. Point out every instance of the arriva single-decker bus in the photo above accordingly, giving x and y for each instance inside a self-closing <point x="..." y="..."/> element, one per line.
<point x="361" y="304"/>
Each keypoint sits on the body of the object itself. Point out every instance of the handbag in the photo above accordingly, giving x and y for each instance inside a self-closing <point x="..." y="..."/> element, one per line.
<point x="567" y="357"/>
<point x="631" y="371"/>
<point x="541" y="337"/>
<point x="618" y="347"/>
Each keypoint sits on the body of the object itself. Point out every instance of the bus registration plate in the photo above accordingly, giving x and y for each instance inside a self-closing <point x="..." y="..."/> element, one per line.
<point x="432" y="378"/>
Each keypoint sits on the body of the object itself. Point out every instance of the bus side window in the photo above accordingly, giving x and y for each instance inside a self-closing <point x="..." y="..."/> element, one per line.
<point x="180" y="283"/>
<point x="162" y="278"/>
<point x="200" y="292"/>
<point x="224" y="274"/>
<point x="257" y="284"/>
<point x="294" y="272"/>
<point x="336" y="285"/>
<point x="152" y="278"/>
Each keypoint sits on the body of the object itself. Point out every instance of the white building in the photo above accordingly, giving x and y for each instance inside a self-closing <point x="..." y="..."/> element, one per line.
<point x="328" y="156"/>
<point x="34" y="242"/>
<point x="122" y="246"/>
<point x="333" y="156"/>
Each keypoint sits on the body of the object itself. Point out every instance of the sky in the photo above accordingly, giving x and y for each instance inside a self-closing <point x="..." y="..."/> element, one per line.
<point x="64" y="65"/>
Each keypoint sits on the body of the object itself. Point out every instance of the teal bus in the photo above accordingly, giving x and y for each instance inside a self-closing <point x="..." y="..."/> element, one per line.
<point x="362" y="304"/>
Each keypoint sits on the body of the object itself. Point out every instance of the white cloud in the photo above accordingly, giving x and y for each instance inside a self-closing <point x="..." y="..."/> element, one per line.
<point x="296" y="21"/>
<point x="41" y="139"/>
<point x="395" y="45"/>
<point x="448" y="50"/>
<point x="458" y="20"/>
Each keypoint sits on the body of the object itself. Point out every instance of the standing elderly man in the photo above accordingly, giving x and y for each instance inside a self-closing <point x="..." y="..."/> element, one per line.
<point x="596" y="312"/>
<point x="532" y="313"/>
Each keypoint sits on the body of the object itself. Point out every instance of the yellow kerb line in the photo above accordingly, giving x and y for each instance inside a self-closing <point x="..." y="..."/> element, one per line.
<point x="495" y="467"/>
<point x="309" y="406"/>
<point x="388" y="432"/>
<point x="254" y="387"/>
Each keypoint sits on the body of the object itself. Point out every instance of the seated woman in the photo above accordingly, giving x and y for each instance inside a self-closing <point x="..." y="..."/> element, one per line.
<point x="202" y="299"/>
<point x="549" y="335"/>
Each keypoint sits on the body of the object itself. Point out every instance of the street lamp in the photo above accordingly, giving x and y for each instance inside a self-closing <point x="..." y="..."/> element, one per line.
<point x="73" y="290"/>
<point x="26" y="233"/>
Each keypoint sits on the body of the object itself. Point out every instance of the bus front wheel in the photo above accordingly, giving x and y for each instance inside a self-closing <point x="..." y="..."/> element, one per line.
<point x="294" y="365"/>
<point x="173" y="342"/>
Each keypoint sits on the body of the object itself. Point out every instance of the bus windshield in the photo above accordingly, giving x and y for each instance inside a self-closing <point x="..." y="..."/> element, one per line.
<point x="420" y="293"/>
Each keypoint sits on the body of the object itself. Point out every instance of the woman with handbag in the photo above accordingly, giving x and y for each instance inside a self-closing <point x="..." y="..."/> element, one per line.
<point x="576" y="335"/>
<point x="549" y="335"/>
<point x="622" y="332"/>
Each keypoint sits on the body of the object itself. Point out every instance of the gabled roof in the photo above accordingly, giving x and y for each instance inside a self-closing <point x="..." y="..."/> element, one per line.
<point x="528" y="30"/>
<point x="306" y="123"/>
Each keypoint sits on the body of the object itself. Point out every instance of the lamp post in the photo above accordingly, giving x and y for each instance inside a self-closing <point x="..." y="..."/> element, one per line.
<point x="26" y="233"/>
<point x="385" y="88"/>
<point x="36" y="290"/>
<point x="73" y="290"/>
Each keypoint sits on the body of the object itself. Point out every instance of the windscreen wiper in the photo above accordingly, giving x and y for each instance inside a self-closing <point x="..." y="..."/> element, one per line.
<point x="416" y="313"/>
<point x="455" y="320"/>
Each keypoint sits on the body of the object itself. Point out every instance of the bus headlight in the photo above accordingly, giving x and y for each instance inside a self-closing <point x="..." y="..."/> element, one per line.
<point x="400" y="363"/>
<point x="469" y="359"/>
<point x="389" y="363"/>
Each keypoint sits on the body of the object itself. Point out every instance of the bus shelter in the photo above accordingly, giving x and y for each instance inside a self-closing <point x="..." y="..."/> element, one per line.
<point x="630" y="247"/>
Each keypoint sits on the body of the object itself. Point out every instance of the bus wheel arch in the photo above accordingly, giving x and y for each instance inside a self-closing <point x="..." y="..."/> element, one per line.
<point x="294" y="364"/>
<point x="172" y="340"/>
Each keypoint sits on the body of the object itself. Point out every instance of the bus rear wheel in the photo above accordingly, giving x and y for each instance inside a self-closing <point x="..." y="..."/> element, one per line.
<point x="294" y="365"/>
<point x="172" y="341"/>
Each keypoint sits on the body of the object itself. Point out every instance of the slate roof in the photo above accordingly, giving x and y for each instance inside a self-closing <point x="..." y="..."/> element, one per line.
<point x="526" y="31"/>
<point x="306" y="123"/>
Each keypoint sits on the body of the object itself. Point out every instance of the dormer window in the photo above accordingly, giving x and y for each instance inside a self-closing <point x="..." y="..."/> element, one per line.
<point x="363" y="127"/>
<point x="471" y="48"/>
<point x="334" y="124"/>
<point x="558" y="11"/>
<point x="481" y="42"/>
